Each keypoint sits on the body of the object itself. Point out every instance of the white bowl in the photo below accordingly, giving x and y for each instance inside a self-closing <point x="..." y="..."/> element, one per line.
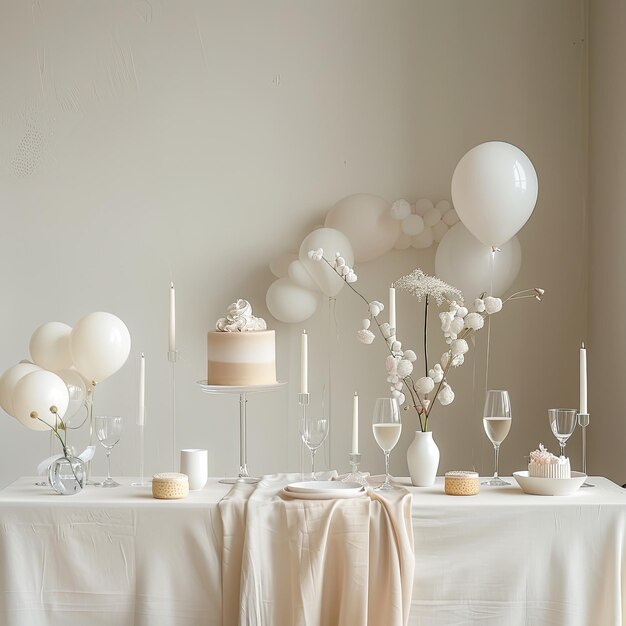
<point x="315" y="486"/>
<point x="549" y="486"/>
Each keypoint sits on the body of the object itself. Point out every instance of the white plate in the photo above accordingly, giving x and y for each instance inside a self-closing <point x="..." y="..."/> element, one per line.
<point x="323" y="495"/>
<point x="314" y="486"/>
<point x="549" y="486"/>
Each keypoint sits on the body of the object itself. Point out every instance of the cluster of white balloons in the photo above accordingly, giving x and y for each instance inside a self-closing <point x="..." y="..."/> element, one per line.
<point x="494" y="191"/>
<point x="66" y="362"/>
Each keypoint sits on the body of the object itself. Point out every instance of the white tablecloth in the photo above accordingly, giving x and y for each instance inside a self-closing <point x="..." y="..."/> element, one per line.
<point x="500" y="558"/>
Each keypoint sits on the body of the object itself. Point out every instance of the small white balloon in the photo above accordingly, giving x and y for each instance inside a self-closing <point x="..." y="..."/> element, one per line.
<point x="432" y="217"/>
<point x="400" y="209"/>
<point x="450" y="217"/>
<point x="77" y="389"/>
<point x="9" y="379"/>
<point x="404" y="242"/>
<point x="439" y="230"/>
<point x="443" y="206"/>
<point x="100" y="344"/>
<point x="412" y="225"/>
<point x="50" y="346"/>
<point x="423" y="205"/>
<point x="298" y="274"/>
<point x="280" y="265"/>
<point x="289" y="302"/>
<point x="37" y="393"/>
<point x="424" y="239"/>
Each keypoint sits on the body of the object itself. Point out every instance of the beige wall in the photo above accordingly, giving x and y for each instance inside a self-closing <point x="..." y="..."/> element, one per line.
<point x="607" y="227"/>
<point x="141" y="142"/>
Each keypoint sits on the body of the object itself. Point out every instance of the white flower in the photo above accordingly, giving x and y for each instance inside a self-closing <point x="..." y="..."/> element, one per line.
<point x="474" y="321"/>
<point x="376" y="307"/>
<point x="446" y="395"/>
<point x="391" y="363"/>
<point x="421" y="285"/>
<point x="456" y="325"/>
<point x="458" y="360"/>
<point x="316" y="255"/>
<point x="395" y="393"/>
<point x="405" y="367"/>
<point x="401" y="399"/>
<point x="492" y="305"/>
<point x="351" y="277"/>
<point x="385" y="329"/>
<point x="365" y="336"/>
<point x="446" y="318"/>
<point x="366" y="323"/>
<point x="343" y="270"/>
<point x="459" y="346"/>
<point x="396" y="346"/>
<point x="410" y="355"/>
<point x="461" y="311"/>
<point x="445" y="357"/>
<point x="436" y="373"/>
<point x="426" y="403"/>
<point x="424" y="385"/>
<point x="479" y="305"/>
<point x="340" y="261"/>
<point x="398" y="386"/>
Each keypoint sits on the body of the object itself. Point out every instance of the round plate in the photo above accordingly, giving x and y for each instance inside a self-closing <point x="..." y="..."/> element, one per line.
<point x="316" y="486"/>
<point x="322" y="495"/>
<point x="206" y="388"/>
<point x="549" y="486"/>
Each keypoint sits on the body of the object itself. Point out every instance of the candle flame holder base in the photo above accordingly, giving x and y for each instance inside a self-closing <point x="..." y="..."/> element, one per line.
<point x="583" y="422"/>
<point x="355" y="476"/>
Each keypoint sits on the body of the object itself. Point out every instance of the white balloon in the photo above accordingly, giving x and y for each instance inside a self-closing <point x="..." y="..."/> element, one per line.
<point x="299" y="275"/>
<point x="423" y="205"/>
<point x="443" y="206"/>
<point x="280" y="265"/>
<point x="38" y="392"/>
<point x="412" y="225"/>
<point x="494" y="190"/>
<point x="432" y="217"/>
<point x="9" y="379"/>
<point x="466" y="263"/>
<point x="331" y="241"/>
<point x="367" y="222"/>
<point x="100" y="344"/>
<point x="450" y="217"/>
<point x="439" y="230"/>
<point x="77" y="388"/>
<point x="424" y="239"/>
<point x="400" y="209"/>
<point x="289" y="302"/>
<point x="50" y="346"/>
<point x="404" y="242"/>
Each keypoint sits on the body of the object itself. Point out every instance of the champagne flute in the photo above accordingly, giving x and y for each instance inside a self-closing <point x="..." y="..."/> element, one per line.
<point x="314" y="431"/>
<point x="108" y="431"/>
<point x="387" y="428"/>
<point x="562" y="423"/>
<point x="497" y="423"/>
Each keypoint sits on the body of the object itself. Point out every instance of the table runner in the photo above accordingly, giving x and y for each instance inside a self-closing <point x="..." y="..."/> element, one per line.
<point x="305" y="562"/>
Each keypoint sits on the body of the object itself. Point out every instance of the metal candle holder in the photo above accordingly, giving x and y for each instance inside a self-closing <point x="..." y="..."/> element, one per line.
<point x="355" y="476"/>
<point x="583" y="422"/>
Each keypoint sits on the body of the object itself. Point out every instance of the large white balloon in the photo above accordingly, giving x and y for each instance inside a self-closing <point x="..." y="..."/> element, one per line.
<point x="367" y="222"/>
<point x="50" y="346"/>
<point x="9" y="379"/>
<point x="466" y="263"/>
<point x="77" y="388"/>
<point x="289" y="302"/>
<point x="38" y="392"/>
<point x="100" y="344"/>
<point x="331" y="241"/>
<point x="494" y="190"/>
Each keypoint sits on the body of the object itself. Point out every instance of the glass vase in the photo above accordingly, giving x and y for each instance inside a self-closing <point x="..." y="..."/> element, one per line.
<point x="67" y="475"/>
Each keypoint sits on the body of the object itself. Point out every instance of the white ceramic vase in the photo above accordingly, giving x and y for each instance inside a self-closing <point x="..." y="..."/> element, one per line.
<point x="423" y="459"/>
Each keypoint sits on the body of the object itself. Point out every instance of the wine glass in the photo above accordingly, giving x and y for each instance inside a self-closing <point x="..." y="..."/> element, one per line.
<point x="314" y="431"/>
<point x="497" y="423"/>
<point x="387" y="428"/>
<point x="562" y="423"/>
<point x="108" y="431"/>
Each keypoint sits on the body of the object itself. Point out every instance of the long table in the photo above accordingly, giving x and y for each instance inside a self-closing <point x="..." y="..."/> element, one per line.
<point x="500" y="558"/>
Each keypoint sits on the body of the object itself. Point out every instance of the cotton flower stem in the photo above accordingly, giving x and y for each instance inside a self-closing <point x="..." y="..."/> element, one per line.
<point x="443" y="380"/>
<point x="426" y="335"/>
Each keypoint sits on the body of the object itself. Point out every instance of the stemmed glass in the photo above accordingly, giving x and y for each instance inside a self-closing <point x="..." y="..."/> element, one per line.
<point x="497" y="423"/>
<point x="314" y="431"/>
<point x="387" y="428"/>
<point x="562" y="423"/>
<point x="108" y="431"/>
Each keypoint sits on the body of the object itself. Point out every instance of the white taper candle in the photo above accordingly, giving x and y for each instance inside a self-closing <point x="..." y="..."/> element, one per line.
<point x="355" y="424"/>
<point x="172" y="333"/>
<point x="304" y="363"/>
<point x="141" y="416"/>
<point x="583" y="379"/>
<point x="392" y="311"/>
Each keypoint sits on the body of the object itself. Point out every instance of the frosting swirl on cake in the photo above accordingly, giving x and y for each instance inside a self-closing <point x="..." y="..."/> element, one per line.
<point x="543" y="457"/>
<point x="239" y="318"/>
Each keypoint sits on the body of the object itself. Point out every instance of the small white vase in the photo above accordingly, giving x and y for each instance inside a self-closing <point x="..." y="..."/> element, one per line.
<point x="423" y="459"/>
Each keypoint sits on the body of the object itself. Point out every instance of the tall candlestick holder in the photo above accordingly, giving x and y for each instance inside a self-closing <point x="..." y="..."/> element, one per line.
<point x="583" y="422"/>
<point x="172" y="357"/>
<point x="142" y="482"/>
<point x="304" y="399"/>
<point x="355" y="476"/>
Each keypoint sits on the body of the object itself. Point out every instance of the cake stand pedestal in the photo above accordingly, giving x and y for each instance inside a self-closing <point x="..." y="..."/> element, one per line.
<point x="242" y="392"/>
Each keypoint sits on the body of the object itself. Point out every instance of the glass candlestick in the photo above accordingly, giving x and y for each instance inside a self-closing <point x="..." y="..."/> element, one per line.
<point x="583" y="422"/>
<point x="355" y="476"/>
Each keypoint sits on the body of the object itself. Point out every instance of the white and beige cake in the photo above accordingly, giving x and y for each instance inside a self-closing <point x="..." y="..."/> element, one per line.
<point x="241" y="351"/>
<point x="544" y="464"/>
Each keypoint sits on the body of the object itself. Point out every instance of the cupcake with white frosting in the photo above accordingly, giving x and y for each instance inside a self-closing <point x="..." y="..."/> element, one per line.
<point x="544" y="464"/>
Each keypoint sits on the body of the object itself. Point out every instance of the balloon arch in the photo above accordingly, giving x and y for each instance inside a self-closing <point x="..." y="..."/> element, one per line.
<point x="494" y="190"/>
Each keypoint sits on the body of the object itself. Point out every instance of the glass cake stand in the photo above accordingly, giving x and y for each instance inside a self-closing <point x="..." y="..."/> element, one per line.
<point x="242" y="392"/>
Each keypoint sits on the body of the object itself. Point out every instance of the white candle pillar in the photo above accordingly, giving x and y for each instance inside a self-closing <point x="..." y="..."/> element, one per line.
<point x="141" y="416"/>
<point x="392" y="311"/>
<point x="304" y="363"/>
<point x="583" y="379"/>
<point x="355" y="424"/>
<point x="172" y="333"/>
